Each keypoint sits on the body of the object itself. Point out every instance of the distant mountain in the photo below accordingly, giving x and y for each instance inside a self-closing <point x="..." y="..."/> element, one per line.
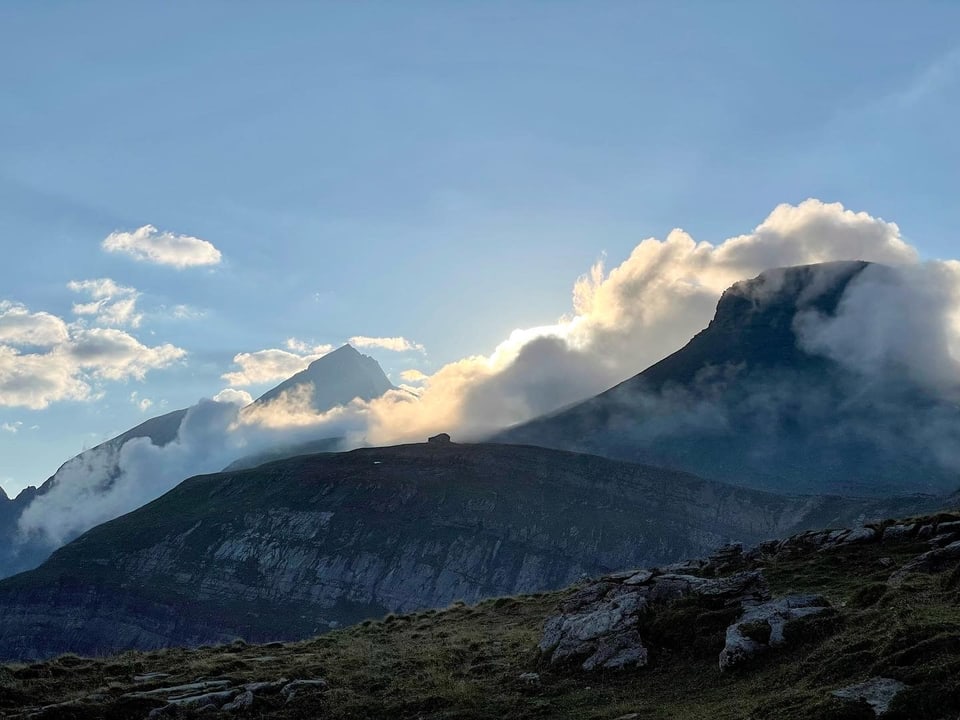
<point x="291" y="548"/>
<point x="18" y="553"/>
<point x="743" y="402"/>
<point x="335" y="379"/>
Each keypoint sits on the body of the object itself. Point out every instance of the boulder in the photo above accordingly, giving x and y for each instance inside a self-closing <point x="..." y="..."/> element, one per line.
<point x="745" y="640"/>
<point x="597" y="626"/>
<point x="439" y="439"/>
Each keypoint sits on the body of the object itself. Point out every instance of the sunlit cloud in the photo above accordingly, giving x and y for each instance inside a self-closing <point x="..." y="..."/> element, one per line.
<point x="394" y="344"/>
<point x="111" y="304"/>
<point x="147" y="244"/>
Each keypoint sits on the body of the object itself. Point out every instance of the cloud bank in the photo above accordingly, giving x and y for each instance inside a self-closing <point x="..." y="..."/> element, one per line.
<point x="394" y="344"/>
<point x="147" y="244"/>
<point x="44" y="360"/>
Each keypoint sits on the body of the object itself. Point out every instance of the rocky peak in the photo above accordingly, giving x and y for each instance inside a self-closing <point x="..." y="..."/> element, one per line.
<point x="335" y="379"/>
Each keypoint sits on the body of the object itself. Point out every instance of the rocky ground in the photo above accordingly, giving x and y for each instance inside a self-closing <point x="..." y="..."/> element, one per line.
<point x="847" y="624"/>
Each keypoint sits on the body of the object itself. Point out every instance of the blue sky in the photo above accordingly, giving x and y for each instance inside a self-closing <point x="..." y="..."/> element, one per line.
<point x="438" y="171"/>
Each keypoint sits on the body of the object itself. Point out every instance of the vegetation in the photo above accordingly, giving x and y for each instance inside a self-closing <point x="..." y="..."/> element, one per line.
<point x="466" y="662"/>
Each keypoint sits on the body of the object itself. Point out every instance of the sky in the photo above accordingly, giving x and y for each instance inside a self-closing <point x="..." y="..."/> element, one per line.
<point x="186" y="185"/>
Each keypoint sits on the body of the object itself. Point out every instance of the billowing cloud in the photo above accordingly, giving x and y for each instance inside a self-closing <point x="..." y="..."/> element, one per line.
<point x="394" y="344"/>
<point x="148" y="244"/>
<point x="265" y="366"/>
<point x="20" y="327"/>
<point x="625" y="319"/>
<point x="110" y="304"/>
<point x="44" y="360"/>
<point x="233" y="396"/>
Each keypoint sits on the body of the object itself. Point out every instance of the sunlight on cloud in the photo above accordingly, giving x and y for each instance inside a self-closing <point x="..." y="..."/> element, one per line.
<point x="163" y="248"/>
<point x="44" y="360"/>
<point x="111" y="304"/>
<point x="270" y="365"/>
<point x="394" y="344"/>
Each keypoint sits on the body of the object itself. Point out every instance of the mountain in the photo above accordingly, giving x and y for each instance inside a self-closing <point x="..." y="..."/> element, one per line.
<point x="18" y="553"/>
<point x="843" y="625"/>
<point x="745" y="403"/>
<point x="334" y="379"/>
<point x="295" y="547"/>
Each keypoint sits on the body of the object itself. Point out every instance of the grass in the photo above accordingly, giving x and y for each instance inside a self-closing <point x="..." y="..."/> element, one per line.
<point x="464" y="662"/>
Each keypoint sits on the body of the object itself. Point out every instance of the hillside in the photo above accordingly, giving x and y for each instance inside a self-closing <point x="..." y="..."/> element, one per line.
<point x="744" y="402"/>
<point x="885" y="627"/>
<point x="335" y="379"/>
<point x="295" y="547"/>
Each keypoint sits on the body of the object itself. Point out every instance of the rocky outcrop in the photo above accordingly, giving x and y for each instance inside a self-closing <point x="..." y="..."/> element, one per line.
<point x="761" y="627"/>
<point x="598" y="625"/>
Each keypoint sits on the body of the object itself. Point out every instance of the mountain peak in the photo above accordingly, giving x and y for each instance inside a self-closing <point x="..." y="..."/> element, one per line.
<point x="337" y="378"/>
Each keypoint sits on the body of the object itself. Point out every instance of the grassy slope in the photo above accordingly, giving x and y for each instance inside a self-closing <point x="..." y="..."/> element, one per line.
<point x="464" y="662"/>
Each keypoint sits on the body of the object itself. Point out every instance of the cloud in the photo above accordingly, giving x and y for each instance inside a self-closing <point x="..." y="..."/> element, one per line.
<point x="394" y="344"/>
<point x="621" y="321"/>
<point x="142" y="403"/>
<point x="236" y="397"/>
<point x="44" y="360"/>
<point x="11" y="427"/>
<point x="20" y="327"/>
<point x="111" y="304"/>
<point x="272" y="365"/>
<point x="305" y="348"/>
<point x="624" y="320"/>
<point x="413" y="376"/>
<point x="148" y="244"/>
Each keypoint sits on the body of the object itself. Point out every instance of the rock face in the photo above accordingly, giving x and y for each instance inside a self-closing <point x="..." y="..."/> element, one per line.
<point x="598" y="625"/>
<point x="761" y="627"/>
<point x="749" y="401"/>
<point x="292" y="548"/>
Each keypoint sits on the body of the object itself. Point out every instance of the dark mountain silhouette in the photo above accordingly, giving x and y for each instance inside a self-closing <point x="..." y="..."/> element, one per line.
<point x="743" y="402"/>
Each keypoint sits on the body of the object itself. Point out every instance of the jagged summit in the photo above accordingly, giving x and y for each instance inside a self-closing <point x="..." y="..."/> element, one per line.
<point x="337" y="378"/>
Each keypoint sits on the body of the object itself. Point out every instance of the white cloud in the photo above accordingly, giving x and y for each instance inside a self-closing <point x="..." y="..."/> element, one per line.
<point x="413" y="376"/>
<point x="11" y="427"/>
<point x="271" y="365"/>
<point x="163" y="248"/>
<point x="142" y="403"/>
<point x="233" y="396"/>
<point x="73" y="358"/>
<point x="624" y="320"/>
<point x="111" y="304"/>
<point x="20" y="327"/>
<point x="395" y="344"/>
<point x="185" y="312"/>
<point x="305" y="348"/>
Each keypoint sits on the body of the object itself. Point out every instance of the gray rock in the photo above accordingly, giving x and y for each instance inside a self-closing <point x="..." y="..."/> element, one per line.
<point x="739" y="647"/>
<point x="932" y="561"/>
<point x="241" y="702"/>
<point x="878" y="692"/>
<point x="898" y="532"/>
<point x="530" y="678"/>
<point x="597" y="626"/>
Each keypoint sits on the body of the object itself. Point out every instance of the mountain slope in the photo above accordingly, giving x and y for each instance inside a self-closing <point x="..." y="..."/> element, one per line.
<point x="889" y="619"/>
<point x="18" y="553"/>
<point x="743" y="402"/>
<point x="295" y="547"/>
<point x="335" y="379"/>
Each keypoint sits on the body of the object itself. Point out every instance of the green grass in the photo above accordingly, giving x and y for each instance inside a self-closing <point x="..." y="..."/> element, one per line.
<point x="464" y="662"/>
